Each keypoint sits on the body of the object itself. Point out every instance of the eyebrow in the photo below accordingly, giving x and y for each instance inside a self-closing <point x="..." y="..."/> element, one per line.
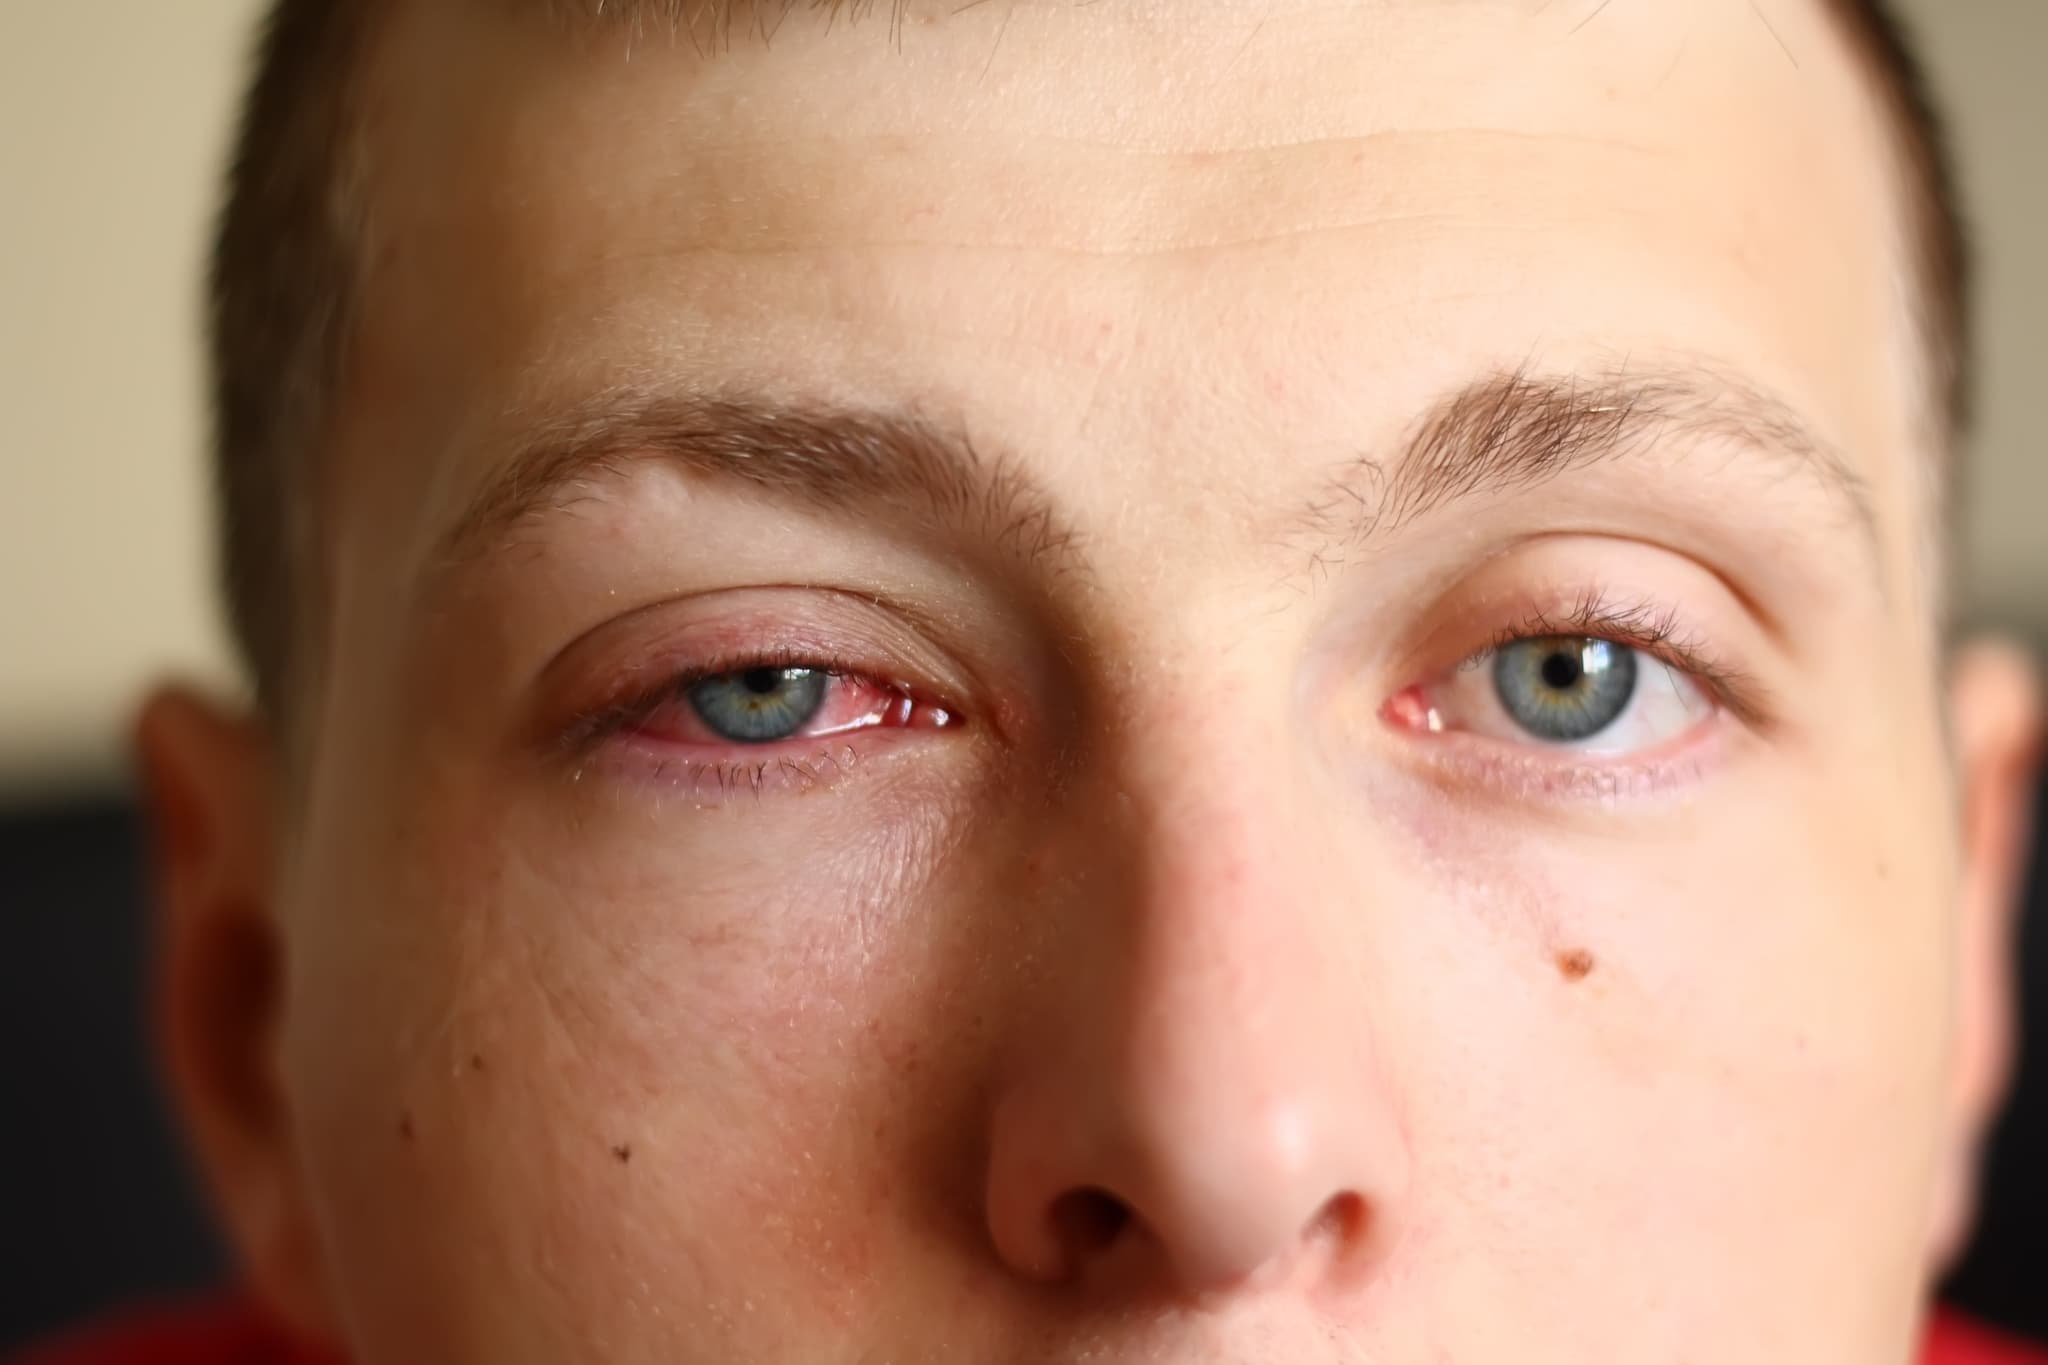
<point x="1503" y="433"/>
<point x="1513" y="431"/>
<point x="832" y="460"/>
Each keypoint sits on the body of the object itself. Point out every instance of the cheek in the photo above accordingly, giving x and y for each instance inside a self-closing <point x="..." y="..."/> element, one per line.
<point x="1621" y="1027"/>
<point x="603" y="1057"/>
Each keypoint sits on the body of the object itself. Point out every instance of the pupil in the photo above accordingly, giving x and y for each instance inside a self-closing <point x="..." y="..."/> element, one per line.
<point x="1562" y="670"/>
<point x="762" y="681"/>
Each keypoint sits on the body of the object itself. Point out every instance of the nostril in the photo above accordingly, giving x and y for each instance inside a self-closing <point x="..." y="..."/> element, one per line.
<point x="1341" y="1234"/>
<point x="1089" y="1220"/>
<point x="1342" y="1219"/>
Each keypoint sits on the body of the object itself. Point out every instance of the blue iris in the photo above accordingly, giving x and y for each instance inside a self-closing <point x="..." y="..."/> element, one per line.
<point x="759" y="705"/>
<point x="1564" y="688"/>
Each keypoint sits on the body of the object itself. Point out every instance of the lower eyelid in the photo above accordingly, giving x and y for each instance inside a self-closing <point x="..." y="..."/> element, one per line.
<point x="1518" y="775"/>
<point x="707" y="780"/>
<point x="1521" y="771"/>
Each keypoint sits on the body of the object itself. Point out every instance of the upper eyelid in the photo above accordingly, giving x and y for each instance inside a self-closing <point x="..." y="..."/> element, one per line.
<point x="865" y="632"/>
<point x="1643" y="626"/>
<point x="1640" y="621"/>
<point x="1682" y="660"/>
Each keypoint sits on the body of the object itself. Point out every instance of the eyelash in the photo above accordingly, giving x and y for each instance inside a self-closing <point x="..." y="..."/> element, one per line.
<point x="722" y="777"/>
<point x="1654" y="629"/>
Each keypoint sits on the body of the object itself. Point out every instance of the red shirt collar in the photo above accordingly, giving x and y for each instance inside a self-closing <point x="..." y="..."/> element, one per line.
<point x="237" y="1333"/>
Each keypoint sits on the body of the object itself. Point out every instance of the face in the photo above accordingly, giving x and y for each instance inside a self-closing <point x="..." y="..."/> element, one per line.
<point x="1125" y="682"/>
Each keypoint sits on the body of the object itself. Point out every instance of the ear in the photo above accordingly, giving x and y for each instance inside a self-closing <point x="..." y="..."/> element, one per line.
<point x="211" y="792"/>
<point x="1996" y="724"/>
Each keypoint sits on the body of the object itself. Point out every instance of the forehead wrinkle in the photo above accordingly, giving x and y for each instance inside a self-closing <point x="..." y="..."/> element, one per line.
<point x="781" y="197"/>
<point x="752" y="174"/>
<point x="1514" y="431"/>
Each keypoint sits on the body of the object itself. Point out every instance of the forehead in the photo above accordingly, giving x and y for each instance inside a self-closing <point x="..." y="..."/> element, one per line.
<point x="1179" y="228"/>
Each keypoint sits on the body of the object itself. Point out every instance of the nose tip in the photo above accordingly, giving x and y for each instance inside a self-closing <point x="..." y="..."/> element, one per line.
<point x="1237" y="1238"/>
<point x="1218" y="1204"/>
<point x="1092" y="1232"/>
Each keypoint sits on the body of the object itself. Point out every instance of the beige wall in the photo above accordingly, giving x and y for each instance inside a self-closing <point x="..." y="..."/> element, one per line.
<point x="1988" y="58"/>
<point x="111" y="120"/>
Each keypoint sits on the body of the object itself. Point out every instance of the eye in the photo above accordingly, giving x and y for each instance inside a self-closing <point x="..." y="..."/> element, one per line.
<point x="1582" y="693"/>
<point x="768" y="703"/>
<point x="759" y="705"/>
<point x="1562" y="688"/>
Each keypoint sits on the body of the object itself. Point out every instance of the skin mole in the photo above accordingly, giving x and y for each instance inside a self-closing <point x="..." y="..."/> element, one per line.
<point x="1575" y="964"/>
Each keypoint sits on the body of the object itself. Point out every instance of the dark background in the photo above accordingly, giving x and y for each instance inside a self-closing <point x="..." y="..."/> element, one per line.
<point x="97" y="1206"/>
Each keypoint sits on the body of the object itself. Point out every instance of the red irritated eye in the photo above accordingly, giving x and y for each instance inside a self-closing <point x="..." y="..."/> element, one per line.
<point x="769" y="704"/>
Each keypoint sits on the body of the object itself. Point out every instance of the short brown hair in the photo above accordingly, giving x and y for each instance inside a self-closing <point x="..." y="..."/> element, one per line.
<point x="284" y="278"/>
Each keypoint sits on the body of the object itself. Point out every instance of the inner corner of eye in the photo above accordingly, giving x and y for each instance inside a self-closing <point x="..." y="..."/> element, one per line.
<point x="1410" y="709"/>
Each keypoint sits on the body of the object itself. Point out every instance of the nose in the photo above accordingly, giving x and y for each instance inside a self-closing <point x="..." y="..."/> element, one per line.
<point x="1196" y="1101"/>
